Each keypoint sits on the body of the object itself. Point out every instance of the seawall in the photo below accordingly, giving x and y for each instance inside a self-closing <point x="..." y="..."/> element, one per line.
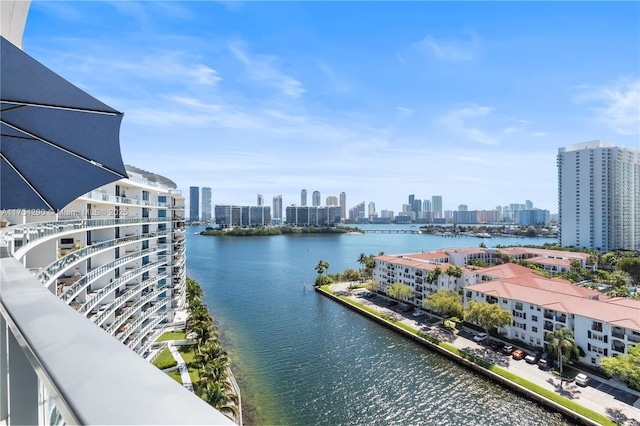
<point x="570" y="414"/>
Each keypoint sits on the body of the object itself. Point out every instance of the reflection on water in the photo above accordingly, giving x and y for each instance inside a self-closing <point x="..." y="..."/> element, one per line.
<point x="302" y="359"/>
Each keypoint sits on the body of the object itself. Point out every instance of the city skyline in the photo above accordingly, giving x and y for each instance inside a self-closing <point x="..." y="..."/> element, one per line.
<point x="391" y="99"/>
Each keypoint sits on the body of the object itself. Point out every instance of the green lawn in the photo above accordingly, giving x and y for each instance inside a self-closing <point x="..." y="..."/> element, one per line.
<point x="172" y="335"/>
<point x="599" y="418"/>
<point x="163" y="357"/>
<point x="188" y="354"/>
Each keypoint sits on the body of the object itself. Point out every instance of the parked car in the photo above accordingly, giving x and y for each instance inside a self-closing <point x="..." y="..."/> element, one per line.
<point x="533" y="358"/>
<point x="392" y="303"/>
<point x="497" y="345"/>
<point x="543" y="364"/>
<point x="418" y="313"/>
<point x="582" y="379"/>
<point x="480" y="337"/>
<point x="518" y="354"/>
<point x="407" y="308"/>
<point x="507" y="349"/>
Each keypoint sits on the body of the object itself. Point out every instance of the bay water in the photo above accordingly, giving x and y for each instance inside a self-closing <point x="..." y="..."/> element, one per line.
<point x="303" y="359"/>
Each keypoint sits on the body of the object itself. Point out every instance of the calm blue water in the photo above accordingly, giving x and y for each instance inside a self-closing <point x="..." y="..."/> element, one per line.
<point x="302" y="359"/>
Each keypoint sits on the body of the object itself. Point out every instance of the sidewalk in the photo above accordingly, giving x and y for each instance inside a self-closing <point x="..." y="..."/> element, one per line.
<point x="610" y="398"/>
<point x="182" y="366"/>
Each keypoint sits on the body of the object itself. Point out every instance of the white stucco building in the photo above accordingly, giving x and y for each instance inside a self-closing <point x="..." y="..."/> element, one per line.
<point x="116" y="255"/>
<point x="599" y="196"/>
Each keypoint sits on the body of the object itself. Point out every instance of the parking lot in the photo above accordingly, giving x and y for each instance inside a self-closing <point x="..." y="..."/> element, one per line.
<point x="605" y="397"/>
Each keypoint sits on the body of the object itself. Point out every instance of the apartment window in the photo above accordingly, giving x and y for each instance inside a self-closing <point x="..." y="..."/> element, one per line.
<point x="519" y="306"/>
<point x="534" y="318"/>
<point x="596" y="326"/>
<point x="534" y="329"/>
<point x="593" y="360"/>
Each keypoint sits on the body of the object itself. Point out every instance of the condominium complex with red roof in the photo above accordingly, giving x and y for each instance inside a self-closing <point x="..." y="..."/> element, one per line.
<point x="602" y="326"/>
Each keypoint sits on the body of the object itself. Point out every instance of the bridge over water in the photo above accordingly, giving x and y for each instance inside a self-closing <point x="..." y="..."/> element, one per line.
<point x="393" y="231"/>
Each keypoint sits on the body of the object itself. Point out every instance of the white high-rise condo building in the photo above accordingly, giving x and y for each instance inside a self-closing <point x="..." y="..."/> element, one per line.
<point x="343" y="205"/>
<point x="206" y="203"/>
<point x="436" y="206"/>
<point x="332" y="200"/>
<point x="315" y="199"/>
<point x="260" y="200"/>
<point x="599" y="196"/>
<point x="303" y="197"/>
<point x="277" y="208"/>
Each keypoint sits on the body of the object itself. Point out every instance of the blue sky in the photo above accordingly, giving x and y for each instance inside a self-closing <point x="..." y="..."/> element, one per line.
<point x="468" y="100"/>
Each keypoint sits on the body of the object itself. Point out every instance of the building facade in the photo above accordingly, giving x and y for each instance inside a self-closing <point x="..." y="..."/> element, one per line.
<point x="343" y="206"/>
<point x="313" y="216"/>
<point x="277" y="210"/>
<point x="315" y="199"/>
<point x="194" y="203"/>
<point x="599" y="196"/>
<point x="206" y="204"/>
<point x="303" y="197"/>
<point x="251" y="216"/>
<point x="436" y="206"/>
<point x="116" y="255"/>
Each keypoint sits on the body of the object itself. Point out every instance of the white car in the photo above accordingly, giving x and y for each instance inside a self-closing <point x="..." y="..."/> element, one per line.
<point x="480" y="337"/>
<point x="582" y="379"/>
<point x="417" y="313"/>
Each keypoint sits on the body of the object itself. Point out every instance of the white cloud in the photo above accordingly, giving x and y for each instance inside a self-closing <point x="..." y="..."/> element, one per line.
<point x="457" y="122"/>
<point x="616" y="105"/>
<point x="450" y="50"/>
<point x="263" y="68"/>
<point x="404" y="112"/>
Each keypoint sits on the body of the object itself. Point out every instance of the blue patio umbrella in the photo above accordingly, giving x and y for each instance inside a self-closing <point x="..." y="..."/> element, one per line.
<point x="57" y="142"/>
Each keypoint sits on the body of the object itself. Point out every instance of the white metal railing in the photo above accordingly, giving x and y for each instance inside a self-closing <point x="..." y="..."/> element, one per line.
<point x="50" y="272"/>
<point x="138" y="321"/>
<point x="145" y="331"/>
<point x="151" y="338"/>
<point x="122" y="318"/>
<point x="44" y="353"/>
<point x="70" y="293"/>
<point x="31" y="232"/>
<point x="113" y="306"/>
<point x="149" y="183"/>
<point x="99" y="196"/>
<point x="92" y="302"/>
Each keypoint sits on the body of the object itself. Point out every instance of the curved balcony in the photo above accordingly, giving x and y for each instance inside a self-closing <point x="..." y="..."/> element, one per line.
<point x="147" y="182"/>
<point x="145" y="332"/>
<point x="114" y="199"/>
<point x="140" y="320"/>
<point x="70" y="293"/>
<point x="29" y="233"/>
<point x="93" y="301"/>
<point x="122" y="318"/>
<point x="151" y="338"/>
<point x="44" y="352"/>
<point x="125" y="298"/>
<point x="50" y="272"/>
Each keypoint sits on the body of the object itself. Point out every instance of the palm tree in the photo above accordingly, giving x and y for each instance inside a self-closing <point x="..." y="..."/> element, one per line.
<point x="214" y="371"/>
<point x="220" y="396"/>
<point x="432" y="276"/>
<point x="562" y="343"/>
<point x="322" y="266"/>
<point x="453" y="271"/>
<point x="210" y="351"/>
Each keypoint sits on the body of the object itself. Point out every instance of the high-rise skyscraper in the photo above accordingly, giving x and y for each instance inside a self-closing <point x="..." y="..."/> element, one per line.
<point x="277" y="208"/>
<point x="303" y="197"/>
<point x="528" y="205"/>
<point x="206" y="203"/>
<point x="194" y="203"/>
<point x="260" y="200"/>
<point x="412" y="199"/>
<point x="332" y="200"/>
<point x="599" y="196"/>
<point x="426" y="205"/>
<point x="315" y="199"/>
<point x="343" y="205"/>
<point x="372" y="209"/>
<point x="436" y="206"/>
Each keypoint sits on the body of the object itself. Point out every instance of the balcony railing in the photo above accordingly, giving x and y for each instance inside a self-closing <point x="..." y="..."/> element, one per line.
<point x="117" y="385"/>
<point x="99" y="196"/>
<point x="92" y="301"/>
<point x="50" y="272"/>
<point x="29" y="233"/>
<point x="75" y="289"/>
<point x="145" y="331"/>
<point x="130" y="310"/>
<point x="138" y="321"/>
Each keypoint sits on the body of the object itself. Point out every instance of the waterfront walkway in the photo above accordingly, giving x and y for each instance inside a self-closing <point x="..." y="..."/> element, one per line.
<point x="182" y="366"/>
<point x="610" y="398"/>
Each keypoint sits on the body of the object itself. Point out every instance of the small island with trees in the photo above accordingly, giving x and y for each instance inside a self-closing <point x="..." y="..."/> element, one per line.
<point x="279" y="230"/>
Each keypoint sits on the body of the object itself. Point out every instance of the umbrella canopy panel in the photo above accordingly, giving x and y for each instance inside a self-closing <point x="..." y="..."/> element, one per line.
<point x="57" y="142"/>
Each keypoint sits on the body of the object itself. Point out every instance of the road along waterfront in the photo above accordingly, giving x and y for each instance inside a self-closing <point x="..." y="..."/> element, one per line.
<point x="302" y="359"/>
<point x="609" y="406"/>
